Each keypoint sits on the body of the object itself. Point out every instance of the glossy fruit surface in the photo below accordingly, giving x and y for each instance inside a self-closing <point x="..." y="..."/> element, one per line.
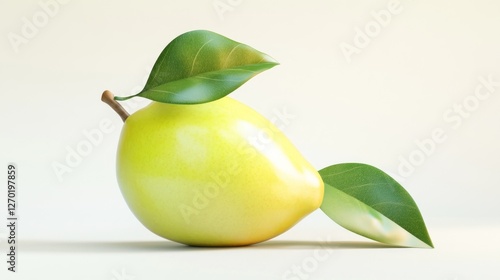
<point x="213" y="174"/>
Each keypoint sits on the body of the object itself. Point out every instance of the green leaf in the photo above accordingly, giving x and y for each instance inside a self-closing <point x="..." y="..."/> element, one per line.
<point x="367" y="201"/>
<point x="201" y="66"/>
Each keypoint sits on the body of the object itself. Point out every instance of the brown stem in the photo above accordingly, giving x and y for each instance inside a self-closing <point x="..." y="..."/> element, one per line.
<point x="108" y="98"/>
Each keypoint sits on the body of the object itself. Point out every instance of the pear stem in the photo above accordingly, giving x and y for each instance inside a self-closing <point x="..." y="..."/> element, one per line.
<point x="108" y="98"/>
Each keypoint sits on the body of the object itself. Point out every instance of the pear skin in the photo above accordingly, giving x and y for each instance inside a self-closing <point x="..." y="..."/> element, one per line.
<point x="213" y="174"/>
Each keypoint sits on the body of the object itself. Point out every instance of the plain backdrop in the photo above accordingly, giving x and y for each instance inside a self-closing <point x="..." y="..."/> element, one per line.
<point x="365" y="81"/>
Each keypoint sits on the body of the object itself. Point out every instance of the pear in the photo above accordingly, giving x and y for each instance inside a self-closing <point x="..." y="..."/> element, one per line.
<point x="213" y="174"/>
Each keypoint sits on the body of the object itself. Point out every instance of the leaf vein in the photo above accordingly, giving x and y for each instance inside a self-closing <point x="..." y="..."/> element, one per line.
<point x="218" y="80"/>
<point x="345" y="171"/>
<point x="394" y="203"/>
<point x="162" y="91"/>
<point x="196" y="56"/>
<point x="229" y="55"/>
<point x="364" y="185"/>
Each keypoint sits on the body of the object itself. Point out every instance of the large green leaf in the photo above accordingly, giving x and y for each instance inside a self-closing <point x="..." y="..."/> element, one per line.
<point x="201" y="66"/>
<point x="367" y="201"/>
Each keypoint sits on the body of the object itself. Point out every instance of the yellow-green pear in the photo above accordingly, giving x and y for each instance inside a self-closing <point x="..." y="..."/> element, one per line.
<point x="213" y="174"/>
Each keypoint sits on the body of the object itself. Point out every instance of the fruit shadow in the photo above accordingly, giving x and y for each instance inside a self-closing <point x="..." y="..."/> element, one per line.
<point x="38" y="246"/>
<point x="310" y="245"/>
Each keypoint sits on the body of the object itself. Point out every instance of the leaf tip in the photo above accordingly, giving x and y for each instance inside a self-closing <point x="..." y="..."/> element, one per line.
<point x="269" y="59"/>
<point x="430" y="244"/>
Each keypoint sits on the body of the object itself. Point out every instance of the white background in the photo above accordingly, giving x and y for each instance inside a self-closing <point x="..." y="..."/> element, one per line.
<point x="372" y="106"/>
